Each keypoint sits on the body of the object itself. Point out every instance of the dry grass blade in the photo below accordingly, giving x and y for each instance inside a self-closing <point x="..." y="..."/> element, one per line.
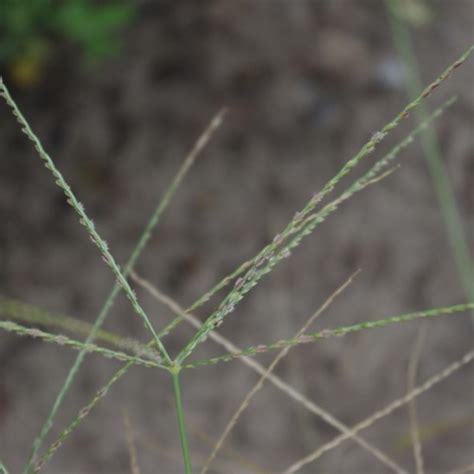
<point x="130" y="441"/>
<point x="260" y="369"/>
<point x="463" y="470"/>
<point x="411" y="383"/>
<point x="430" y="383"/>
<point x="253" y="391"/>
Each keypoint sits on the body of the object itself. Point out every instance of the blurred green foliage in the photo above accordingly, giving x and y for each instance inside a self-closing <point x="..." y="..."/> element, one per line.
<point x="29" y="30"/>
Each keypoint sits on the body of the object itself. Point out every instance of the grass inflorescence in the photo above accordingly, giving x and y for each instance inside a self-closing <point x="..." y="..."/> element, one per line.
<point x="243" y="280"/>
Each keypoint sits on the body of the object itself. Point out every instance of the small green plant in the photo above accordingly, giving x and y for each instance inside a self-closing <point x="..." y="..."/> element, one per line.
<point x="243" y="280"/>
<point x="30" y="29"/>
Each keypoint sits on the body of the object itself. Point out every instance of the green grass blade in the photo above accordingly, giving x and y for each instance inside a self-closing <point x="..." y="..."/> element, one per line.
<point x="183" y="436"/>
<point x="434" y="159"/>
<point x="339" y="331"/>
<point x="3" y="469"/>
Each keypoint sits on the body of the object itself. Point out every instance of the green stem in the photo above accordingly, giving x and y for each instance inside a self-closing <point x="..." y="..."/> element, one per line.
<point x="181" y="423"/>
<point x="3" y="469"/>
<point x="448" y="205"/>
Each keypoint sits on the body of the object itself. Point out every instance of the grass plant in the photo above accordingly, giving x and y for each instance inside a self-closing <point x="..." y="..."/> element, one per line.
<point x="242" y="281"/>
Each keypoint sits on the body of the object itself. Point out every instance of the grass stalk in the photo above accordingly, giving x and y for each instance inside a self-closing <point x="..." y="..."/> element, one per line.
<point x="130" y="441"/>
<point x="183" y="435"/>
<point x="431" y="150"/>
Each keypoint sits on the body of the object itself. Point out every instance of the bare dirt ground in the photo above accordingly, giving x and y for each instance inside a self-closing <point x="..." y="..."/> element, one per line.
<point x="306" y="83"/>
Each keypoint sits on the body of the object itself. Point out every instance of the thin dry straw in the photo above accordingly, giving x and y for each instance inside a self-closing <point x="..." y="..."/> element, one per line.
<point x="143" y="240"/>
<point x="229" y="453"/>
<point x="14" y="309"/>
<point x="260" y="369"/>
<point x="244" y="284"/>
<point x="336" y="332"/>
<point x="65" y="341"/>
<point x="246" y="401"/>
<point x="469" y="469"/>
<point x="83" y="218"/>
<point x="411" y="383"/>
<point x="130" y="441"/>
<point x="430" y="383"/>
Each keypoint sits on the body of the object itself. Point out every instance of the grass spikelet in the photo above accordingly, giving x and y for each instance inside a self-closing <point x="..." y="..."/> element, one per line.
<point x="336" y="332"/>
<point x="18" y="310"/>
<point x="65" y="341"/>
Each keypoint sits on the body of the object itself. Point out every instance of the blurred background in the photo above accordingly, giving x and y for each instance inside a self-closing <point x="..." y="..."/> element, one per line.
<point x="118" y="93"/>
